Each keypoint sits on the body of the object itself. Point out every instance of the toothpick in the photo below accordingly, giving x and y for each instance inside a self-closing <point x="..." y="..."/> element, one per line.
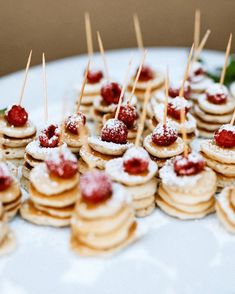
<point x="233" y="119"/>
<point x="45" y="88"/>
<point x="226" y="60"/>
<point x="166" y="95"/>
<point x="101" y="47"/>
<point x="201" y="45"/>
<point x="88" y="34"/>
<point x="137" y="76"/>
<point x="25" y="77"/>
<point x="123" y="89"/>
<point x="83" y="85"/>
<point x="186" y="71"/>
<point x="197" y="24"/>
<point x="1" y="148"/>
<point x="184" y="134"/>
<point x="142" y="120"/>
<point x="138" y="32"/>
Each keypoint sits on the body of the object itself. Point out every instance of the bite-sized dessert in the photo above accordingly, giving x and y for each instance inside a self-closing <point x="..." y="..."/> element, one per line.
<point x="164" y="143"/>
<point x="187" y="187"/>
<point x="219" y="154"/>
<point x="16" y="131"/>
<point x="53" y="190"/>
<point x="214" y="108"/>
<point x="103" y="221"/>
<point x="225" y="208"/>
<point x="10" y="193"/>
<point x="173" y="113"/>
<point x="7" y="238"/>
<point x="37" y="150"/>
<point x="148" y="76"/>
<point x="75" y="131"/>
<point x="111" y="143"/>
<point x="136" y="171"/>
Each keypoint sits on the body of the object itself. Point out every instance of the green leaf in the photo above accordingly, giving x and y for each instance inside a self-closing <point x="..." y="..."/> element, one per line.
<point x="2" y="111"/>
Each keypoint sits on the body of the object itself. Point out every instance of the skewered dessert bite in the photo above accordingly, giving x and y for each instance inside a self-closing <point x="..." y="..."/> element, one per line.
<point x="187" y="187"/>
<point x="53" y="190"/>
<point x="225" y="208"/>
<point x="219" y="154"/>
<point x="103" y="221"/>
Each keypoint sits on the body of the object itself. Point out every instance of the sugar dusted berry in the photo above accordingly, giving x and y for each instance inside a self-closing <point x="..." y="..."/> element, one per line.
<point x="114" y="131"/>
<point x="16" y="116"/>
<point x="50" y="137"/>
<point x="136" y="160"/>
<point x="5" y="177"/>
<point x="193" y="164"/>
<point x="174" y="90"/>
<point x="225" y="136"/>
<point x="146" y="74"/>
<point x="111" y="93"/>
<point x="94" y="76"/>
<point x="128" y="114"/>
<point x="217" y="94"/>
<point x="175" y="106"/>
<point x="164" y="134"/>
<point x="96" y="187"/>
<point x="74" y="121"/>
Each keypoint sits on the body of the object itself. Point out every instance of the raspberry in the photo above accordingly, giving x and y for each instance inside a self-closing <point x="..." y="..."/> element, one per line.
<point x="225" y="136"/>
<point x="49" y="137"/>
<point x="17" y="116"/>
<point x="128" y="115"/>
<point x="174" y="107"/>
<point x="136" y="160"/>
<point x="73" y="122"/>
<point x="111" y="93"/>
<point x="114" y="131"/>
<point x="164" y="135"/>
<point x="190" y="165"/>
<point x="94" y="77"/>
<point x="217" y="99"/>
<point x="175" y="91"/>
<point x="5" y="177"/>
<point x="146" y="74"/>
<point x="95" y="187"/>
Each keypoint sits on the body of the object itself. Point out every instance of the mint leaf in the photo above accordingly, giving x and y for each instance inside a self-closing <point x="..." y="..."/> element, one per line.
<point x="2" y="111"/>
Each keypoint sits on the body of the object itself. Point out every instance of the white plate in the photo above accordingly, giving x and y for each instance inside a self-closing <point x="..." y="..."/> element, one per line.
<point x="174" y="257"/>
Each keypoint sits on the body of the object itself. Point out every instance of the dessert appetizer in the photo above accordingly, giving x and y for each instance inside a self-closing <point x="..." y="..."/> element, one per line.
<point x="53" y="190"/>
<point x="103" y="221"/>
<point x="225" y="208"/>
<point x="136" y="171"/>
<point x="16" y="129"/>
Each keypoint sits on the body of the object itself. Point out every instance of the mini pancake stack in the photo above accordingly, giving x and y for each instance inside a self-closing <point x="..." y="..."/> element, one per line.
<point x="17" y="131"/>
<point x="7" y="238"/>
<point x="136" y="171"/>
<point x="187" y="188"/>
<point x="214" y="108"/>
<point x="53" y="190"/>
<point x="10" y="191"/>
<point x="111" y="144"/>
<point x="225" y="208"/>
<point x="219" y="154"/>
<point x="103" y="221"/>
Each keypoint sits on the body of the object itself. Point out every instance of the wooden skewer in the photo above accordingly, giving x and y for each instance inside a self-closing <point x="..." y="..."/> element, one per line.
<point x="143" y="116"/>
<point x="184" y="134"/>
<point x="197" y="24"/>
<point x="101" y="47"/>
<point x="25" y="77"/>
<point x="201" y="45"/>
<point x="233" y="119"/>
<point x="123" y="89"/>
<point x="83" y="85"/>
<point x="1" y="148"/>
<point x="222" y="77"/>
<point x="166" y="95"/>
<point x="186" y="71"/>
<point x="88" y="34"/>
<point x="137" y="76"/>
<point x="45" y="88"/>
<point x="138" y="32"/>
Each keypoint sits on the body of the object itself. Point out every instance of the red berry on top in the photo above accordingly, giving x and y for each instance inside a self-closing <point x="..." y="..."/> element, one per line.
<point x="146" y="74"/>
<point x="74" y="121"/>
<point x="225" y="136"/>
<point x="128" y="114"/>
<point x="217" y="94"/>
<point x="62" y="163"/>
<point x="94" y="77"/>
<point x="193" y="164"/>
<point x="114" y="131"/>
<point x="5" y="177"/>
<point x="50" y="137"/>
<point x="175" y="106"/>
<point x="164" y="134"/>
<point x="17" y="116"/>
<point x="96" y="187"/>
<point x="111" y="93"/>
<point x="136" y="161"/>
<point x="174" y="91"/>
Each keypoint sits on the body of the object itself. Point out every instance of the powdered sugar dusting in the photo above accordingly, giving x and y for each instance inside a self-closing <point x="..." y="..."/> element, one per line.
<point x="227" y="127"/>
<point x="4" y="170"/>
<point x="136" y="152"/>
<point x="179" y="103"/>
<point x="168" y="129"/>
<point x="55" y="155"/>
<point x="216" y="89"/>
<point x="193" y="157"/>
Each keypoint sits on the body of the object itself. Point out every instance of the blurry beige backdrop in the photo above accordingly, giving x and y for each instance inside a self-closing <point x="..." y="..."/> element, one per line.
<point x="57" y="26"/>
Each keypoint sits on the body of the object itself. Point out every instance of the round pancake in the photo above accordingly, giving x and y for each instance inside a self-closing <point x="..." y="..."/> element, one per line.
<point x="143" y="191"/>
<point x="207" y="126"/>
<point x="224" y="219"/>
<point x="64" y="212"/>
<point x="12" y="193"/>
<point x="212" y="108"/>
<point x="221" y="119"/>
<point x="145" y="212"/>
<point x="17" y="132"/>
<point x="143" y="203"/>
<point x="16" y="142"/>
<point x="13" y="153"/>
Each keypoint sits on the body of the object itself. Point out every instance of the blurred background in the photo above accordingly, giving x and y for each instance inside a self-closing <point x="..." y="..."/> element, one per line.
<point x="57" y="26"/>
